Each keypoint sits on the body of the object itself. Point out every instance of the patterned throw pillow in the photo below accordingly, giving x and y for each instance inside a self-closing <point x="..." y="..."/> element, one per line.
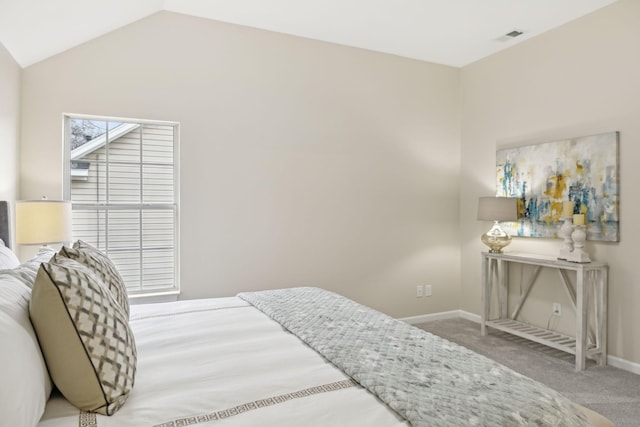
<point x="100" y="264"/>
<point x="84" y="336"/>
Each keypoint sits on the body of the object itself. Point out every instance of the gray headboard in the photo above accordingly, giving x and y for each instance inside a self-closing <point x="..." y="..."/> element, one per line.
<point x="5" y="226"/>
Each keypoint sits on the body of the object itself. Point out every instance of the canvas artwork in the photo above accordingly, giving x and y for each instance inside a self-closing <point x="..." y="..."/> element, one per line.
<point x="543" y="176"/>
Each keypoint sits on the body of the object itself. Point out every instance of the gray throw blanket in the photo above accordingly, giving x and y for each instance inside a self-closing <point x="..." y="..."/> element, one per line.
<point x="426" y="379"/>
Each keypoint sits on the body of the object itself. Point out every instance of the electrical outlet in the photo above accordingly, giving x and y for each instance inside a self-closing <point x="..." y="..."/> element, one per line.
<point x="557" y="309"/>
<point x="427" y="290"/>
<point x="419" y="292"/>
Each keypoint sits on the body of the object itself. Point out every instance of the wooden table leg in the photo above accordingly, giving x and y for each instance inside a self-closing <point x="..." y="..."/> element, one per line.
<point x="602" y="303"/>
<point x="486" y="293"/>
<point x="581" y="321"/>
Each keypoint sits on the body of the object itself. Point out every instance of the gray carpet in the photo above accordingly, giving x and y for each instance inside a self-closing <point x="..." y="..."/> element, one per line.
<point x="610" y="391"/>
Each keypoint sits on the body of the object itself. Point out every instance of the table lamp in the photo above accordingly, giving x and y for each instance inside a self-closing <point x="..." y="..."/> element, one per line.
<point x="497" y="209"/>
<point x="40" y="222"/>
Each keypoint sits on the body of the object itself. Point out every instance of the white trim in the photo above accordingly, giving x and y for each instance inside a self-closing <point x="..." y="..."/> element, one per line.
<point x="470" y="316"/>
<point x="625" y="365"/>
<point x="150" y="298"/>
<point x="120" y="119"/>
<point x="414" y="320"/>
<point x="614" y="361"/>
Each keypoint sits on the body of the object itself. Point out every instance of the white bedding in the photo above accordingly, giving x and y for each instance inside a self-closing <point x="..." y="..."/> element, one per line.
<point x="203" y="356"/>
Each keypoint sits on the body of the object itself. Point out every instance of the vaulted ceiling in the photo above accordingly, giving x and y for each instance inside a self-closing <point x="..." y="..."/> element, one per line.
<point x="450" y="32"/>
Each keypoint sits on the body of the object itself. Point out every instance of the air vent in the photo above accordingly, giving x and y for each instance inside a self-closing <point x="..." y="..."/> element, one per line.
<point x="510" y="35"/>
<point x="514" y="33"/>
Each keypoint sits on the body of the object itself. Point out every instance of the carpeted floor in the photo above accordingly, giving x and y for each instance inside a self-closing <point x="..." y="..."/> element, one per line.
<point x="610" y="391"/>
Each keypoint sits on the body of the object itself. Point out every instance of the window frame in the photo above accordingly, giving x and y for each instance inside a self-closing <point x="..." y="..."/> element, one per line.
<point x="170" y="293"/>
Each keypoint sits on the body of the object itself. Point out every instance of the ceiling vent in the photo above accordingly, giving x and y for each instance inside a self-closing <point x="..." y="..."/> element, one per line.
<point x="510" y="35"/>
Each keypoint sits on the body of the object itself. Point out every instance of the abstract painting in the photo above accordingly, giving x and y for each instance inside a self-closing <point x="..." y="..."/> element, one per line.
<point x="583" y="170"/>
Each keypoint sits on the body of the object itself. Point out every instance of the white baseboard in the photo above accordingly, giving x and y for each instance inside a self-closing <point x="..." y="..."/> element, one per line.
<point x="453" y="314"/>
<point x="625" y="365"/>
<point x="470" y="316"/>
<point x="614" y="361"/>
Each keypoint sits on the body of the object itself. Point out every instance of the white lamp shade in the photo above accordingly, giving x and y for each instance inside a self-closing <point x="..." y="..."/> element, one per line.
<point x="498" y="208"/>
<point x="39" y="222"/>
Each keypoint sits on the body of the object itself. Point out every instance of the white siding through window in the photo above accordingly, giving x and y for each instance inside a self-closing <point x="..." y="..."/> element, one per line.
<point x="122" y="180"/>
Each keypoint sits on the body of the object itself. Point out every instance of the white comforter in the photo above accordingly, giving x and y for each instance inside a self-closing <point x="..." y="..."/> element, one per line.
<point x="204" y="356"/>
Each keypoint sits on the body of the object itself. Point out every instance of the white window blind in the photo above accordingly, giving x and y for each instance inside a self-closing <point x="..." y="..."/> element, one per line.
<point x="122" y="179"/>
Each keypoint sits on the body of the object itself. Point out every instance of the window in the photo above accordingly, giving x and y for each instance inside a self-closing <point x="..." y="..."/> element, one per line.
<point x="121" y="176"/>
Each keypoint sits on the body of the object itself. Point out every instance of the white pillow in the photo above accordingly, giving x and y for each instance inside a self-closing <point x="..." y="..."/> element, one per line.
<point x="26" y="273"/>
<point x="24" y="381"/>
<point x="7" y="258"/>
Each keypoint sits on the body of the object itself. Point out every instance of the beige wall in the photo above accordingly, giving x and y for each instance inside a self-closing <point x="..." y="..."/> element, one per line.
<point x="302" y="162"/>
<point x="9" y="125"/>
<point x="579" y="79"/>
<point x="307" y="163"/>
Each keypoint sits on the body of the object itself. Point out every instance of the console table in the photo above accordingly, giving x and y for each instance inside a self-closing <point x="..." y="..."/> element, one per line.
<point x="588" y="296"/>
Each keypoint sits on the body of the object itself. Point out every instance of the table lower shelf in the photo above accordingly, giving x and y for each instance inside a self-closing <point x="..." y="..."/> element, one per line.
<point x="540" y="335"/>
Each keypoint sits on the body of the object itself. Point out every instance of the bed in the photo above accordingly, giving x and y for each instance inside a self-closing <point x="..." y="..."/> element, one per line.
<point x="287" y="357"/>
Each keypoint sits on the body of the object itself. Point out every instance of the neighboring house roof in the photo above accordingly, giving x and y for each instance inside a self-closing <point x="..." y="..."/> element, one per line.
<point x="101" y="140"/>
